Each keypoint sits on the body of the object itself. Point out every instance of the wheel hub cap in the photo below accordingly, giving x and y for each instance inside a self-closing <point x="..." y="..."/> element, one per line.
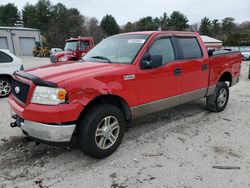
<point x="4" y="88"/>
<point x="222" y="99"/>
<point x="107" y="132"/>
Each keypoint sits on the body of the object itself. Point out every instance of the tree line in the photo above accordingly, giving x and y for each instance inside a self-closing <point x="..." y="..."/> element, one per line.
<point x="57" y="23"/>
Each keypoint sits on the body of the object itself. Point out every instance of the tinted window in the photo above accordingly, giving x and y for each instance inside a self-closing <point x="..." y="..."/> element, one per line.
<point x="4" y="58"/>
<point x="163" y="47"/>
<point x="190" y="48"/>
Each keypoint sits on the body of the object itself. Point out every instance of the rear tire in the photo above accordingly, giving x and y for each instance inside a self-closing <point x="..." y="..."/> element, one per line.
<point x="5" y="87"/>
<point x="101" y="130"/>
<point x="218" y="101"/>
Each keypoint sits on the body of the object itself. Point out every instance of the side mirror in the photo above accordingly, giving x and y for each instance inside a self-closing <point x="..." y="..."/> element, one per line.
<point x="151" y="62"/>
<point x="210" y="53"/>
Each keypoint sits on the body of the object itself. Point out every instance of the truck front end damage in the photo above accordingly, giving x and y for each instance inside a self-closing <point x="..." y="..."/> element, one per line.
<point x="45" y="123"/>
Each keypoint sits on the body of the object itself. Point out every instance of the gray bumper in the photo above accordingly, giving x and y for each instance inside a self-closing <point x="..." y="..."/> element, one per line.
<point x="50" y="133"/>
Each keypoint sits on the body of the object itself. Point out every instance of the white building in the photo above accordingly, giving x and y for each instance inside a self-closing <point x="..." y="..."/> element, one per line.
<point x="19" y="40"/>
<point x="212" y="42"/>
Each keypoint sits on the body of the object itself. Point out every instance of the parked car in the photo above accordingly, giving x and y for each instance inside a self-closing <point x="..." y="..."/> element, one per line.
<point x="124" y="77"/>
<point x="245" y="54"/>
<point x="55" y="50"/>
<point x="9" y="63"/>
<point x="74" y="49"/>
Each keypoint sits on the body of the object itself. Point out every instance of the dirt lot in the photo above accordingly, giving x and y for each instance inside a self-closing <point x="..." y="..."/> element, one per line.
<point x="174" y="148"/>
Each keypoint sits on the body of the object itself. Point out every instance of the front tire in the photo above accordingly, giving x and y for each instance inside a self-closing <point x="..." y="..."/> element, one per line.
<point x="101" y="130"/>
<point x="5" y="87"/>
<point x="218" y="101"/>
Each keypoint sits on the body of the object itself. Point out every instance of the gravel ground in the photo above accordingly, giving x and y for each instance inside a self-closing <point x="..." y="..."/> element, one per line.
<point x="174" y="148"/>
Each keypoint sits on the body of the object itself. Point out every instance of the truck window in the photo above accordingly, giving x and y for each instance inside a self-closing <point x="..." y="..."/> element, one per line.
<point x="164" y="48"/>
<point x="84" y="45"/>
<point x="71" y="45"/>
<point x="190" y="48"/>
<point x="4" y="58"/>
<point x="121" y="49"/>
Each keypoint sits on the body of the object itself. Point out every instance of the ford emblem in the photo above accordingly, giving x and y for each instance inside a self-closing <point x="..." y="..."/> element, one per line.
<point x="17" y="90"/>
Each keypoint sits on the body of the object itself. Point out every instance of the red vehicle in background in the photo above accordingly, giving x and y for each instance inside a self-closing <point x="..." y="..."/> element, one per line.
<point x="74" y="49"/>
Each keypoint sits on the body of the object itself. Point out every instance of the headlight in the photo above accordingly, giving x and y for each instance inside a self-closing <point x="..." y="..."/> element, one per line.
<point x="48" y="95"/>
<point x="63" y="59"/>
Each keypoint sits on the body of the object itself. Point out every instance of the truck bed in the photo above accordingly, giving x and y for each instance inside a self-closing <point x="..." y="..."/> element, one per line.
<point x="221" y="60"/>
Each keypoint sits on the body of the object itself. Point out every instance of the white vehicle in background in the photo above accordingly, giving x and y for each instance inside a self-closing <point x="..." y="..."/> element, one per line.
<point x="245" y="54"/>
<point x="55" y="50"/>
<point x="9" y="63"/>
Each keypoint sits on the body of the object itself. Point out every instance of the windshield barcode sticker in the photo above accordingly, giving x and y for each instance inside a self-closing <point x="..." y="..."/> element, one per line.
<point x="136" y="41"/>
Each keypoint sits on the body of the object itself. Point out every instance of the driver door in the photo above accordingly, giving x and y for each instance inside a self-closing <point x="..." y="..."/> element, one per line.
<point x="160" y="87"/>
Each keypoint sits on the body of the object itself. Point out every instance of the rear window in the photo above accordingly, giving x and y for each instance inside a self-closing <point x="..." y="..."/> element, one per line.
<point x="190" y="48"/>
<point x="4" y="58"/>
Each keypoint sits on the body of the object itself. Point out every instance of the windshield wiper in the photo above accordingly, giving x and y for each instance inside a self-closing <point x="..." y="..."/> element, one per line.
<point x="102" y="57"/>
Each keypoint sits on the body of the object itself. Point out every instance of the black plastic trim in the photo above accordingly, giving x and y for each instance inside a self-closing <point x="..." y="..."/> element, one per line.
<point x="36" y="80"/>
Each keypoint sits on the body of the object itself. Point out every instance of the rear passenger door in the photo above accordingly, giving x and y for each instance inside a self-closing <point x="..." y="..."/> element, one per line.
<point x="194" y="69"/>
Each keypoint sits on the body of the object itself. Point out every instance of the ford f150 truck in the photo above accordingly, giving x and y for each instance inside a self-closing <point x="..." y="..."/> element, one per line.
<point x="74" y="49"/>
<point x="124" y="77"/>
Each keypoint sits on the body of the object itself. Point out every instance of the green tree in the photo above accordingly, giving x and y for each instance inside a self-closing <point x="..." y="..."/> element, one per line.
<point x="205" y="27"/>
<point x="129" y="27"/>
<point x="164" y="20"/>
<point x="245" y="33"/>
<point x="230" y="31"/>
<point x="9" y="14"/>
<point x="228" y="25"/>
<point x="109" y="25"/>
<point x="216" y="28"/>
<point x="38" y="15"/>
<point x="43" y="11"/>
<point x="65" y="23"/>
<point x="30" y="16"/>
<point x="147" y="24"/>
<point x="178" y="21"/>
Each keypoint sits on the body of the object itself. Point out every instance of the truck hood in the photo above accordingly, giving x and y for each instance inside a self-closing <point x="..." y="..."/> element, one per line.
<point x="63" y="53"/>
<point x="63" y="71"/>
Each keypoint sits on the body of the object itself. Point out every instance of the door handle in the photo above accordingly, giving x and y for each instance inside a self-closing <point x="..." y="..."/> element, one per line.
<point x="204" y="67"/>
<point x="177" y="71"/>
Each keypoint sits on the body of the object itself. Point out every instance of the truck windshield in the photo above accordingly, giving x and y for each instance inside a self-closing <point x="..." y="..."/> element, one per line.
<point x="117" y="49"/>
<point x="71" y="45"/>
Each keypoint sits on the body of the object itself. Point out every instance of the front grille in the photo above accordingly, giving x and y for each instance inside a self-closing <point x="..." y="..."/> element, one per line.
<point x="20" y="90"/>
<point x="53" y="58"/>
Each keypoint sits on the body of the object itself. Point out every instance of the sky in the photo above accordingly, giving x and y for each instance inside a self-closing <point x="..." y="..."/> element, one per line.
<point x="133" y="10"/>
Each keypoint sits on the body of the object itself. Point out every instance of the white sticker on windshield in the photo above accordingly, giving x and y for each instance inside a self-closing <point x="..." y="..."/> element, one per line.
<point x="136" y="41"/>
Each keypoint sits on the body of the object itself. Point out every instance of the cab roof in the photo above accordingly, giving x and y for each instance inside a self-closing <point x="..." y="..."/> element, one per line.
<point x="80" y="39"/>
<point x="161" y="32"/>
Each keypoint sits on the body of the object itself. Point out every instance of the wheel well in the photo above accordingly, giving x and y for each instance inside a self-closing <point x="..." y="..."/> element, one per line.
<point x="226" y="77"/>
<point x="110" y="99"/>
<point x="7" y="76"/>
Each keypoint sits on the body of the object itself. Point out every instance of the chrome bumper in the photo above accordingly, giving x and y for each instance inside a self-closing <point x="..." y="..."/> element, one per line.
<point x="50" y="133"/>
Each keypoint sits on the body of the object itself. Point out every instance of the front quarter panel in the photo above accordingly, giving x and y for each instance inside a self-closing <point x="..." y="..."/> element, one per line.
<point x="111" y="82"/>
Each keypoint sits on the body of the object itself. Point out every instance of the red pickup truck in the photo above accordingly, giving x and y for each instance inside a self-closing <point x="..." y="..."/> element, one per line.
<point x="74" y="49"/>
<point x="124" y="77"/>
